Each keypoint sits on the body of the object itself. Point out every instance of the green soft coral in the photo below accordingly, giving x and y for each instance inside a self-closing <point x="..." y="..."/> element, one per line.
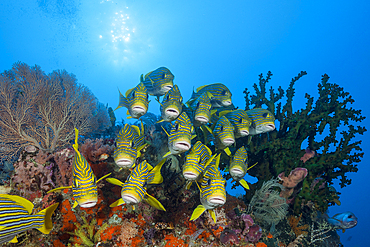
<point x="280" y="150"/>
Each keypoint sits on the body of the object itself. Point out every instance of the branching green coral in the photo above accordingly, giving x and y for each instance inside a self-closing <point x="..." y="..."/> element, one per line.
<point x="280" y="150"/>
<point x="86" y="233"/>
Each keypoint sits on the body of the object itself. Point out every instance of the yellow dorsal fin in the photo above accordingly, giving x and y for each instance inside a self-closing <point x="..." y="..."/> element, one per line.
<point x="60" y="188"/>
<point x="48" y="224"/>
<point x="117" y="203"/>
<point x="154" y="202"/>
<point x="200" y="88"/>
<point x="128" y="92"/>
<point x="114" y="181"/>
<point x="75" y="145"/>
<point x="244" y="184"/>
<point x="197" y="212"/>
<point x="100" y="179"/>
<point x="137" y="129"/>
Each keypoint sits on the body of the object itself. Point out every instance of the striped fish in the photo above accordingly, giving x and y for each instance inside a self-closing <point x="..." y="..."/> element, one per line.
<point x="212" y="191"/>
<point x="219" y="94"/>
<point x="171" y="105"/>
<point x="239" y="166"/>
<point x="16" y="217"/>
<point x="134" y="189"/>
<point x="129" y="142"/>
<point x="136" y="101"/>
<point x="158" y="82"/>
<point x="195" y="162"/>
<point x="223" y="133"/>
<point x="179" y="139"/>
<point x="241" y="122"/>
<point x="84" y="181"/>
<point x="262" y="121"/>
<point x="201" y="110"/>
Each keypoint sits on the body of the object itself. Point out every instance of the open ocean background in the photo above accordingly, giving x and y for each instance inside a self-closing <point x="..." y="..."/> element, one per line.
<point x="108" y="44"/>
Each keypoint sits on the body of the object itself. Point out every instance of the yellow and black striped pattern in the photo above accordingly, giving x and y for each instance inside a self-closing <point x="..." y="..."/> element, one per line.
<point x="241" y="122"/>
<point x="173" y="100"/>
<point x="135" y="183"/>
<point x="15" y="217"/>
<point x="197" y="158"/>
<point x="84" y="181"/>
<point x="262" y="121"/>
<point x="136" y="98"/>
<point x="221" y="95"/>
<point x="202" y="112"/>
<point x="158" y="82"/>
<point x="181" y="130"/>
<point x="240" y="161"/>
<point x="223" y="133"/>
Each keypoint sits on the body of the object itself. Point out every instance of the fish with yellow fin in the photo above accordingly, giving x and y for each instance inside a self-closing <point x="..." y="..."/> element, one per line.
<point x="262" y="121"/>
<point x="134" y="189"/>
<point x="224" y="134"/>
<point x="84" y="180"/>
<point x="201" y="110"/>
<point x="171" y="105"/>
<point x="135" y="100"/>
<point x="239" y="166"/>
<point x="179" y="138"/>
<point x="212" y="191"/>
<point x="195" y="163"/>
<point x="158" y="82"/>
<point x="129" y="142"/>
<point x="219" y="94"/>
<point x="240" y="120"/>
<point x="16" y="217"/>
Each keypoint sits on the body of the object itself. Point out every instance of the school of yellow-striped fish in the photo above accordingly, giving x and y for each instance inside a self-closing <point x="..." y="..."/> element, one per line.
<point x="207" y="121"/>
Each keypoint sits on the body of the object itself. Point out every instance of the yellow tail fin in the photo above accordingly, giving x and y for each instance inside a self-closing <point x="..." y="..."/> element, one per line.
<point x="48" y="224"/>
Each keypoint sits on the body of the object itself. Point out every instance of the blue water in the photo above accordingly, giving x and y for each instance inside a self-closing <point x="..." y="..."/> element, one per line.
<point x="108" y="44"/>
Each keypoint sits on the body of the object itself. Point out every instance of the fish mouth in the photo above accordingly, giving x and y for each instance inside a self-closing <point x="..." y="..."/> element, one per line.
<point x="172" y="112"/>
<point x="228" y="141"/>
<point x="202" y="119"/>
<point x="124" y="163"/>
<point x="270" y="127"/>
<point x="217" y="200"/>
<point x="190" y="175"/>
<point x="88" y="204"/>
<point x="138" y="110"/>
<point x="182" y="146"/>
<point x="167" y="88"/>
<point x="244" y="132"/>
<point x="226" y="102"/>
<point x="129" y="199"/>
<point x="236" y="171"/>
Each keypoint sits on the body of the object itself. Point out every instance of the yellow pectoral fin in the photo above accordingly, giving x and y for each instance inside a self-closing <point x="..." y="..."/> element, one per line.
<point x="156" y="171"/>
<point x="60" y="188"/>
<point x="193" y="136"/>
<point x="154" y="203"/>
<point x="244" y="184"/>
<point x="197" y="212"/>
<point x="227" y="151"/>
<point x="114" y="181"/>
<point x="209" y="130"/>
<point x="117" y="203"/>
<point x="100" y="179"/>
<point x="75" y="204"/>
<point x="160" y="121"/>
<point x="188" y="185"/>
<point x="213" y="214"/>
<point x="166" y="154"/>
<point x="14" y="240"/>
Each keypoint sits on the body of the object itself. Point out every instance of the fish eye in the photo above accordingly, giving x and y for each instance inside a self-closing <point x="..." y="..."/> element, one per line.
<point x="164" y="76"/>
<point x="240" y="120"/>
<point x="209" y="182"/>
<point x="222" y="128"/>
<point x="265" y="115"/>
<point x="176" y="127"/>
<point x="133" y="94"/>
<point x="132" y="144"/>
<point x="197" y="105"/>
<point x="223" y="92"/>
<point x="147" y="96"/>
